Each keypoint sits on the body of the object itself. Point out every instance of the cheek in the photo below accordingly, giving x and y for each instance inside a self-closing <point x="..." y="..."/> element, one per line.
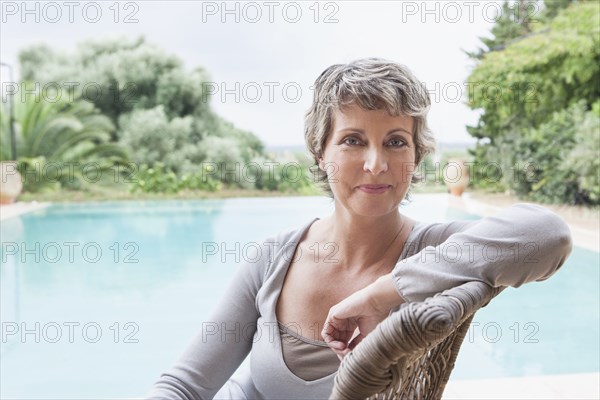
<point x="349" y="156"/>
<point x="410" y="168"/>
<point x="349" y="168"/>
<point x="404" y="172"/>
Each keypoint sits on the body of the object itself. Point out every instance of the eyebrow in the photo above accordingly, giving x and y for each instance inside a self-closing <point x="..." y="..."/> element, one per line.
<point x="362" y="132"/>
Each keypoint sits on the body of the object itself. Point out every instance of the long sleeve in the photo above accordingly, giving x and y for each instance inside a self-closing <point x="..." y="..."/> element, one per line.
<point x="520" y="244"/>
<point x="225" y="338"/>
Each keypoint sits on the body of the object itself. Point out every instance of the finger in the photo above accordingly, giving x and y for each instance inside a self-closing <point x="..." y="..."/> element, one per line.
<point x="332" y="340"/>
<point x="336" y="320"/>
<point x="356" y="341"/>
<point x="342" y="354"/>
<point x="337" y="345"/>
<point x="331" y="333"/>
<point x="328" y="333"/>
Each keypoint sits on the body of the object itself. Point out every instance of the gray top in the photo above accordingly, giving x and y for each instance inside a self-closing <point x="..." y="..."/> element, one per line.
<point x="306" y="358"/>
<point x="522" y="243"/>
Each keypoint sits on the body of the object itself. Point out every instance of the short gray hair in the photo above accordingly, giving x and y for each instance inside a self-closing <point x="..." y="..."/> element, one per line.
<point x="372" y="84"/>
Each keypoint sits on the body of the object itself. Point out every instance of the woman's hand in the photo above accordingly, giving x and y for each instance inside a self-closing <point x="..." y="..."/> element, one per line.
<point x="362" y="310"/>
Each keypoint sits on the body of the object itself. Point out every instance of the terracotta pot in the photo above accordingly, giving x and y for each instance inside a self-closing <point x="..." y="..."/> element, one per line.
<point x="10" y="182"/>
<point x="456" y="176"/>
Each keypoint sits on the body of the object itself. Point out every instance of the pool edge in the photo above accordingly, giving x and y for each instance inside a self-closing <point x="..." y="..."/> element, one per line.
<point x="13" y="210"/>
<point x="567" y="386"/>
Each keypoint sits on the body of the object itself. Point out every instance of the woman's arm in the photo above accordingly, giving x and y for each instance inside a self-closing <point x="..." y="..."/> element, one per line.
<point x="520" y="244"/>
<point x="224" y="341"/>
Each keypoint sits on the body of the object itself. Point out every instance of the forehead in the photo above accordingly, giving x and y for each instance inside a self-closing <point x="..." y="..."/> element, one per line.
<point x="353" y="116"/>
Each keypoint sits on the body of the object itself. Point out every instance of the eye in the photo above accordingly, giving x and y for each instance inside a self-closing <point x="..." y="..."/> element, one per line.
<point x="397" y="143"/>
<point x="351" y="141"/>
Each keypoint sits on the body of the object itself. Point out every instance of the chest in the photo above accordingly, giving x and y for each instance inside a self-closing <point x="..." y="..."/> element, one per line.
<point x="309" y="291"/>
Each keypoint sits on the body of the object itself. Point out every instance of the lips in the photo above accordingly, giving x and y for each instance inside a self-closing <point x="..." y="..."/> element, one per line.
<point x="375" y="186"/>
<point x="374" y="189"/>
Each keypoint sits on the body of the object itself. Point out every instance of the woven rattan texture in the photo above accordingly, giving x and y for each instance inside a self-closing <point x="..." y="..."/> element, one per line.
<point x="411" y="354"/>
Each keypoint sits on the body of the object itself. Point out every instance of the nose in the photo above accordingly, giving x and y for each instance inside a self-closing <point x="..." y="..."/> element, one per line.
<point x="375" y="161"/>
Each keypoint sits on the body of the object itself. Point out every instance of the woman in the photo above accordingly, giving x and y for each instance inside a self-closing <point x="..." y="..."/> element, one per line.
<point x="311" y="294"/>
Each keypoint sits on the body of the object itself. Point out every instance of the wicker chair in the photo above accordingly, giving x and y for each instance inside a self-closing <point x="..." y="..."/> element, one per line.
<point x="411" y="354"/>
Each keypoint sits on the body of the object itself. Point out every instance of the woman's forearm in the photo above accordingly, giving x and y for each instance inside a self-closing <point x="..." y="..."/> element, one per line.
<point x="384" y="294"/>
<point x="523" y="243"/>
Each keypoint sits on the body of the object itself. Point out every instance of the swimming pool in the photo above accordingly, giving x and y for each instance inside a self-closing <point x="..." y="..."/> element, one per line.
<point x="98" y="299"/>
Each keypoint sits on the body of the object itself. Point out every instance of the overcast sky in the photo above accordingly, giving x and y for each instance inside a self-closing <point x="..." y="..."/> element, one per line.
<point x="276" y="45"/>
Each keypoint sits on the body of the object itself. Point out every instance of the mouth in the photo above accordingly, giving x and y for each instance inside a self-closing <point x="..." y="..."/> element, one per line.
<point x="375" y="186"/>
<point x="375" y="189"/>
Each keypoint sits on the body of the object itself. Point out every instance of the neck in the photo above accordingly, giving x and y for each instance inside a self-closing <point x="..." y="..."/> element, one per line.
<point x="365" y="243"/>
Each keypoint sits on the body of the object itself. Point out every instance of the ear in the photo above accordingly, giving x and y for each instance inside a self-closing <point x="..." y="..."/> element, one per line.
<point x="321" y="164"/>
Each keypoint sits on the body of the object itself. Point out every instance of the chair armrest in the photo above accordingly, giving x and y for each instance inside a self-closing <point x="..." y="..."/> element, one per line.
<point x="412" y="352"/>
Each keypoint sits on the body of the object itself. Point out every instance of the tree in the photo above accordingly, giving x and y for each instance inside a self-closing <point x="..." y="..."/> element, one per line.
<point x="514" y="21"/>
<point x="152" y="138"/>
<point x="68" y="135"/>
<point x="524" y="90"/>
<point x="552" y="7"/>
<point x="161" y="112"/>
<point x="117" y="75"/>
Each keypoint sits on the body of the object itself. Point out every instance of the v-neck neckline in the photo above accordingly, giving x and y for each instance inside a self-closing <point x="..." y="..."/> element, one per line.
<point x="296" y="240"/>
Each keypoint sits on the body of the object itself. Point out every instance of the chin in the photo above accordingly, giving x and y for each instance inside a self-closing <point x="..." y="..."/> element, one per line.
<point x="373" y="210"/>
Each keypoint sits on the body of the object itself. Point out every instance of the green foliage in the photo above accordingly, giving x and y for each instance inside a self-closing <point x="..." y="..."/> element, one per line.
<point x="57" y="140"/>
<point x="161" y="112"/>
<point x="515" y="21"/>
<point x="224" y="157"/>
<point x="539" y="74"/>
<point x="151" y="138"/>
<point x="128" y="73"/>
<point x="552" y="7"/>
<point x="544" y="149"/>
<point x="159" y="179"/>
<point x="431" y="170"/>
<point x="535" y="95"/>
<point x="583" y="161"/>
<point x="5" y="139"/>
<point x="288" y="176"/>
<point x="518" y="19"/>
<point x="32" y="175"/>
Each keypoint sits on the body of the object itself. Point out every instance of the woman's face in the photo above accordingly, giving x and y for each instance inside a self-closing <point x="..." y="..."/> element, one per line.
<point x="368" y="148"/>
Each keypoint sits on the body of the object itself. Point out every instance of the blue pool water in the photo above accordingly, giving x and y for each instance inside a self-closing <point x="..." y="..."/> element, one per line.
<point x="98" y="299"/>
